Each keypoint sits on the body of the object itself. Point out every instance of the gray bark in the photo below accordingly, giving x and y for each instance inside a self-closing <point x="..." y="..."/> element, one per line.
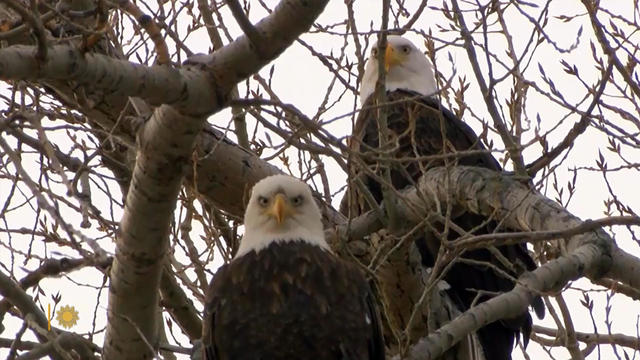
<point x="164" y="149"/>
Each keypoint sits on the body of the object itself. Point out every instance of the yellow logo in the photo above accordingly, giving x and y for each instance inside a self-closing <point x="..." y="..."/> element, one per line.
<point x="67" y="316"/>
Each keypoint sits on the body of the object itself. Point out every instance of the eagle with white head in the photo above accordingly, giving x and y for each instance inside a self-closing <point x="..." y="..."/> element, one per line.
<point x="285" y="295"/>
<point x="407" y="68"/>
<point x="421" y="127"/>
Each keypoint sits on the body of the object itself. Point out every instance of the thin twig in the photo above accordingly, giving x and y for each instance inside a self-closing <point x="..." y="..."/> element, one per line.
<point x="509" y="238"/>
<point x="514" y="149"/>
<point x="147" y="23"/>
<point x="577" y="129"/>
<point x="381" y="119"/>
<point x="606" y="47"/>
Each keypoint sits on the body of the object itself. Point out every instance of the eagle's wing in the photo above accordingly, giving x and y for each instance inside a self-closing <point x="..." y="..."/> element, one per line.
<point x="463" y="137"/>
<point x="376" y="343"/>
<point x="212" y="298"/>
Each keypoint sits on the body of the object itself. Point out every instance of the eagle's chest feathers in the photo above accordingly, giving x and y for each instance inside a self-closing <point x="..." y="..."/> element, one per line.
<point x="287" y="278"/>
<point x="288" y="299"/>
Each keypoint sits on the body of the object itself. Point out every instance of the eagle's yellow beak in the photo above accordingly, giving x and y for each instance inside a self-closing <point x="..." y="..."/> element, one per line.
<point x="391" y="58"/>
<point x="280" y="209"/>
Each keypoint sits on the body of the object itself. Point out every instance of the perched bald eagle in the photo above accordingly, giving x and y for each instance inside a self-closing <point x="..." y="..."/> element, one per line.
<point x="285" y="295"/>
<point x="420" y="127"/>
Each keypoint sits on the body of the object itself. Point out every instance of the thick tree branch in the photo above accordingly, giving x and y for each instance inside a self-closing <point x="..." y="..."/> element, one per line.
<point x="625" y="269"/>
<point x="488" y="193"/>
<point x="164" y="149"/>
<point x="115" y="77"/>
<point x="165" y="143"/>
<point x="53" y="267"/>
<point x="23" y="345"/>
<point x="508" y="305"/>
<point x="225" y="67"/>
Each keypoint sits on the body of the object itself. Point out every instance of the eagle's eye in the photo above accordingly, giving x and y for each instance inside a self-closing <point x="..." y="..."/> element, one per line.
<point x="263" y="201"/>
<point x="297" y="200"/>
<point x="406" y="49"/>
<point x="374" y="51"/>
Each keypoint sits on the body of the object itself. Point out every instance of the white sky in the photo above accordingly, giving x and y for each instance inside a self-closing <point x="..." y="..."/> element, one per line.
<point x="301" y="80"/>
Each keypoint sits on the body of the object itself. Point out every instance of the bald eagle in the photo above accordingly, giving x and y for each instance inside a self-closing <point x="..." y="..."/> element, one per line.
<point x="419" y="127"/>
<point x="285" y="295"/>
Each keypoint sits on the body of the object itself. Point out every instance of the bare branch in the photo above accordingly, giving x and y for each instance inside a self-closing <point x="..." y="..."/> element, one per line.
<point x="617" y="339"/>
<point x="16" y="295"/>
<point x="247" y="27"/>
<point x="606" y="47"/>
<point x="511" y="304"/>
<point x="577" y="129"/>
<point x="513" y="148"/>
<point x="180" y="306"/>
<point x="165" y="143"/>
<point x="151" y="28"/>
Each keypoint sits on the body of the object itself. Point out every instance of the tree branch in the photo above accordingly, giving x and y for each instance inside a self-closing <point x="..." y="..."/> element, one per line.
<point x="179" y="305"/>
<point x="10" y="290"/>
<point x="165" y="143"/>
<point x="53" y="267"/>
<point x="116" y="77"/>
<point x="606" y="47"/>
<point x="66" y="341"/>
<point x="513" y="148"/>
<point x="164" y="147"/>
<point x="511" y="304"/>
<point x="247" y="27"/>
<point x="488" y="193"/>
<point x="577" y="129"/>
<point x="225" y="67"/>
<point x="236" y="61"/>
<point x="152" y="29"/>
<point x="617" y="339"/>
<point x="384" y="138"/>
